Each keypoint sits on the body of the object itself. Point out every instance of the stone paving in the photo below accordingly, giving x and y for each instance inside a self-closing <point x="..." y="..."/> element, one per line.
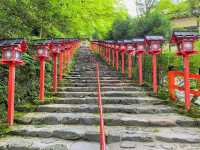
<point x="133" y="120"/>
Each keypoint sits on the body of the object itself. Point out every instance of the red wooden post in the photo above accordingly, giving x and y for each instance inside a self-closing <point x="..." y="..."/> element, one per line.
<point x="171" y="85"/>
<point x="65" y="59"/>
<point x="117" y="60"/>
<point x="106" y="54"/>
<point x="42" y="79"/>
<point x="122" y="59"/>
<point x="140" y="68"/>
<point x="129" y="66"/>
<point x="61" y="66"/>
<point x="113" y="57"/>
<point x="187" y="82"/>
<point x="54" y="73"/>
<point x="11" y="93"/>
<point x="154" y="69"/>
<point x="109" y="56"/>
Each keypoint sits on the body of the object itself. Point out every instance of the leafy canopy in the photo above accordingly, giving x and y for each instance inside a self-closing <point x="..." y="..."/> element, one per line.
<point x="67" y="18"/>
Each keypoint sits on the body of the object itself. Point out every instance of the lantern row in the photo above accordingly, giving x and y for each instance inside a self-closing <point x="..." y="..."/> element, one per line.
<point x="12" y="50"/>
<point x="152" y="45"/>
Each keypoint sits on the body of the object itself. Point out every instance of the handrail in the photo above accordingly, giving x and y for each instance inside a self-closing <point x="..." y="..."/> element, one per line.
<point x="172" y="86"/>
<point x="102" y="139"/>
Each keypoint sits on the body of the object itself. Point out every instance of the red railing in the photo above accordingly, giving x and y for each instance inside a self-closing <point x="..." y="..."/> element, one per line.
<point x="102" y="138"/>
<point x="172" y="85"/>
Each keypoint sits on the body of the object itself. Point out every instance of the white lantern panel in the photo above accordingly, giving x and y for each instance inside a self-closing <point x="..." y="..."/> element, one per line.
<point x="18" y="55"/>
<point x="188" y="46"/>
<point x="7" y="54"/>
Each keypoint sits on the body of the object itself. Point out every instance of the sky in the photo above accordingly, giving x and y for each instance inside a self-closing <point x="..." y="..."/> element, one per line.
<point x="130" y="4"/>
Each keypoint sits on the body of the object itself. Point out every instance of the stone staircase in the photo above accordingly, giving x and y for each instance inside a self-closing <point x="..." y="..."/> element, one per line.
<point x="133" y="120"/>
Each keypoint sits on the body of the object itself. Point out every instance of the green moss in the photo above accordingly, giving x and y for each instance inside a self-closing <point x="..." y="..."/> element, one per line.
<point x="26" y="107"/>
<point x="4" y="129"/>
<point x="156" y="130"/>
<point x="19" y="114"/>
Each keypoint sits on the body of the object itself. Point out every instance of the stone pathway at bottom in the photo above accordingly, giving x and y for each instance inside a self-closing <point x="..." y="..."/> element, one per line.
<point x="133" y="119"/>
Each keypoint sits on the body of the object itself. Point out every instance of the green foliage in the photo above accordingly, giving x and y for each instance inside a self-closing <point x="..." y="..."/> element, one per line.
<point x="50" y="18"/>
<point x="4" y="129"/>
<point x="173" y="10"/>
<point x="152" y="23"/>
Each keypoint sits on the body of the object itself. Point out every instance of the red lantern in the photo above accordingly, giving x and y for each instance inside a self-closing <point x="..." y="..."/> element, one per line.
<point x="122" y="46"/>
<point x="185" y="42"/>
<point x="154" y="44"/>
<point x="43" y="52"/>
<point x="12" y="54"/>
<point x="154" y="47"/>
<point x="129" y="47"/>
<point x="12" y="51"/>
<point x="42" y="47"/>
<point x="140" y="50"/>
<point x="139" y="45"/>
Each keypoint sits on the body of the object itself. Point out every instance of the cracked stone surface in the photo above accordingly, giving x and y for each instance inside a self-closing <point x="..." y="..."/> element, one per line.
<point x="133" y="119"/>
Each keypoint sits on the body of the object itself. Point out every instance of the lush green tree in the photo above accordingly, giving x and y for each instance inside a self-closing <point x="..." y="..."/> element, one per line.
<point x="151" y="23"/>
<point x="45" y="18"/>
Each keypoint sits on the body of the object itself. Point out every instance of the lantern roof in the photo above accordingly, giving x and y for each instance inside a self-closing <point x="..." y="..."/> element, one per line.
<point x="138" y="40"/>
<point x="185" y="34"/>
<point x="154" y="38"/>
<point x="41" y="42"/>
<point x="120" y="42"/>
<point x="18" y="42"/>
<point x="181" y="35"/>
<point x="128" y="41"/>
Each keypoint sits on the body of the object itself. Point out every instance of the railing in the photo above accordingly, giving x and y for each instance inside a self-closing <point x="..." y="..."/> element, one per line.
<point x="172" y="84"/>
<point x="102" y="138"/>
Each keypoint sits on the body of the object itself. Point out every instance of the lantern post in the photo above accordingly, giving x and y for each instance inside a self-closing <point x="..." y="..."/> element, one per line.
<point x="117" y="47"/>
<point x="42" y="47"/>
<point x="109" y="53"/>
<point x="105" y="45"/>
<point x="140" y="50"/>
<point x="65" y="61"/>
<point x="122" y="48"/>
<point x="62" y="51"/>
<point x="154" y="48"/>
<point x="54" y="53"/>
<point x="185" y="45"/>
<point x="131" y="52"/>
<point x="12" y="55"/>
<point x="113" y="53"/>
<point x="106" y="51"/>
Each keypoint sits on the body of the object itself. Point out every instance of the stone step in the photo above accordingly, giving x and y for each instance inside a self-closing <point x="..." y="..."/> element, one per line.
<point x="95" y="81"/>
<point x="94" y="75"/>
<point x="109" y="100"/>
<point x="108" y="108"/>
<point x="35" y="143"/>
<point x="95" y="84"/>
<point x="91" y="89"/>
<point x="129" y="145"/>
<point x="111" y="119"/>
<point x="94" y="71"/>
<point x="90" y="78"/>
<point x="113" y="134"/>
<point x="103" y="93"/>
